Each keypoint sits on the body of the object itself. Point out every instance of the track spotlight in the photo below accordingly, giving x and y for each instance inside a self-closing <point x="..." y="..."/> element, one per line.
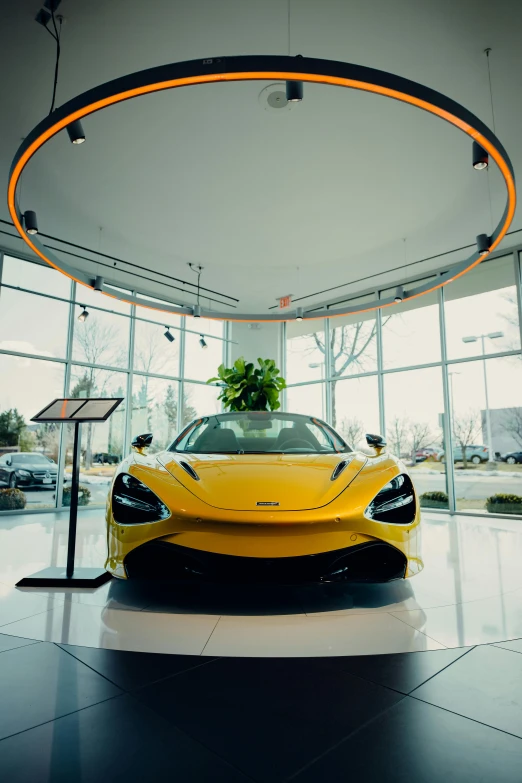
<point x="170" y="337"/>
<point x="480" y="157"/>
<point x="202" y="342"/>
<point x="483" y="244"/>
<point x="196" y="311"/>
<point x="31" y="226"/>
<point x="76" y="133"/>
<point x="299" y="314"/>
<point x="84" y="314"/>
<point x="98" y="283"/>
<point x="399" y="294"/>
<point x="294" y="92"/>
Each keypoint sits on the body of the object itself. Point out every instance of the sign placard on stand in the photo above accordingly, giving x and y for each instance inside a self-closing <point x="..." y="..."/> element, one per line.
<point x="73" y="411"/>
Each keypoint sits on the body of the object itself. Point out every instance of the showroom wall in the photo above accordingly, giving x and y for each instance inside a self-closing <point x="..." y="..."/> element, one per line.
<point x="46" y="352"/>
<point x="415" y="372"/>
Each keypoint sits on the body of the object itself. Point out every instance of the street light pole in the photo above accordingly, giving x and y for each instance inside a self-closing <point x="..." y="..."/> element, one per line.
<point x="482" y="338"/>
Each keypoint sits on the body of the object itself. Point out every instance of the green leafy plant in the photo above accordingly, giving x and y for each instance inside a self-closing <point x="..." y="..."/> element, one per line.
<point x="84" y="496"/>
<point x="504" y="504"/>
<point x="434" y="500"/>
<point x="247" y="388"/>
<point x="12" y="499"/>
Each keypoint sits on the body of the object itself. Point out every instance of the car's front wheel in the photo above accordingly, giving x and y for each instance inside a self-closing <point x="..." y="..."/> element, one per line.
<point x="511" y="460"/>
<point x="476" y="460"/>
<point x="12" y="481"/>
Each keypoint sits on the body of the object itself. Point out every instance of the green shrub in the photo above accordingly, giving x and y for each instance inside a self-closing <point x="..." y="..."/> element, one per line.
<point x="12" y="499"/>
<point x="440" y="497"/>
<point x="502" y="499"/>
<point x="84" y="496"/>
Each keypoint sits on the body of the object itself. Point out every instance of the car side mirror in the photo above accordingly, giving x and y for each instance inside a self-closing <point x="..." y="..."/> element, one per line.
<point x="142" y="442"/>
<point x="377" y="442"/>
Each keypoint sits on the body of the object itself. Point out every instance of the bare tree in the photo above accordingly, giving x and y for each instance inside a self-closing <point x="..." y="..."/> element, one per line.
<point x="398" y="435"/>
<point x="512" y="423"/>
<point x="420" y="435"/>
<point x="466" y="430"/>
<point x="97" y="343"/>
<point x="352" y="431"/>
<point x="349" y="345"/>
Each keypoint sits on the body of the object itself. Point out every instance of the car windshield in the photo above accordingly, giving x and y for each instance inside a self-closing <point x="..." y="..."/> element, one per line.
<point x="259" y="433"/>
<point x="29" y="457"/>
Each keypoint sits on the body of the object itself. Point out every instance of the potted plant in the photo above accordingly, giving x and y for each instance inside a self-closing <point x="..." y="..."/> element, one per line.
<point x="434" y="500"/>
<point x="504" y="504"/>
<point x="84" y="496"/>
<point x="249" y="388"/>
<point x="12" y="499"/>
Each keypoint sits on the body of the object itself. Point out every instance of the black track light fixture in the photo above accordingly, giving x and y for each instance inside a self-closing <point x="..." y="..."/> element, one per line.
<point x="480" y="157"/>
<point x="98" y="283"/>
<point x="483" y="244"/>
<point x="399" y="294"/>
<point x="294" y="89"/>
<point x="76" y="132"/>
<point x="84" y="314"/>
<point x="202" y="342"/>
<point x="299" y="314"/>
<point x="170" y="337"/>
<point x="30" y="222"/>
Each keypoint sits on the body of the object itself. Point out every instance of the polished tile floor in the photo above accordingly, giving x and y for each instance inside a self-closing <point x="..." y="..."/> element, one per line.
<point x="71" y="713"/>
<point x="469" y="593"/>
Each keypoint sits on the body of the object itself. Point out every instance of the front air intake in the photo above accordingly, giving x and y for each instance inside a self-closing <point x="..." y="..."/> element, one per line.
<point x="189" y="469"/>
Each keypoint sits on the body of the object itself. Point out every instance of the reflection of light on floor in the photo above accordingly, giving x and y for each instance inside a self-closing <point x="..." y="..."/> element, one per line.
<point x="469" y="592"/>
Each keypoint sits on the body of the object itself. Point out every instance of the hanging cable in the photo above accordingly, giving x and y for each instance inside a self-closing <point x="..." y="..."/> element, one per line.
<point x="56" y="36"/>
<point x="487" y="51"/>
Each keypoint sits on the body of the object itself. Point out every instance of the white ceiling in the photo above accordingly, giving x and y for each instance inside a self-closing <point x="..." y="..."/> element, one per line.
<point x="269" y="202"/>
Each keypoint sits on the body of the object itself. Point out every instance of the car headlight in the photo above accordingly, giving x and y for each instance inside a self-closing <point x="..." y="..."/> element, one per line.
<point x="395" y="503"/>
<point x="134" y="503"/>
<point x="22" y="472"/>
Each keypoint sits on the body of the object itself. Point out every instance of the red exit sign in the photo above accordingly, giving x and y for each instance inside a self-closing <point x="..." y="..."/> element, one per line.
<point x="285" y="301"/>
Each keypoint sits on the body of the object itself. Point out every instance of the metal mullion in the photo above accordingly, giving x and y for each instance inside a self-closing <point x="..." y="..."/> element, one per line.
<point x="142" y="373"/>
<point x="499" y="355"/>
<point x="282" y="348"/>
<point x="380" y="376"/>
<point x="181" y="370"/>
<point x="518" y="283"/>
<point x="1" y="267"/>
<point x="130" y="378"/>
<point x="7" y="352"/>
<point x="448" y="412"/>
<point x="79" y="363"/>
<point x="67" y="380"/>
<point x="305" y="383"/>
<point x="327" y="373"/>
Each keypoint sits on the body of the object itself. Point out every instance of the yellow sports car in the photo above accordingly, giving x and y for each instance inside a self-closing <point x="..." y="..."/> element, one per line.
<point x="262" y="496"/>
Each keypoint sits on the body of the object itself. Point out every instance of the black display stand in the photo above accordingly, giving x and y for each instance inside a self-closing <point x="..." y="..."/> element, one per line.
<point x="70" y="411"/>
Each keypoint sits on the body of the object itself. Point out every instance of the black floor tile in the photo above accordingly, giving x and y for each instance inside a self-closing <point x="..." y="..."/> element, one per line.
<point x="268" y="717"/>
<point x="40" y="682"/>
<point x="130" y="670"/>
<point x="119" y="740"/>
<point x="414" y="741"/>
<point x="11" y="642"/>
<point x="401" y="671"/>
<point x="485" y="684"/>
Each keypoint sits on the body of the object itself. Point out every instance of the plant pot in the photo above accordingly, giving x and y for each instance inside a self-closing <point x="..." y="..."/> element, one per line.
<point x="433" y="504"/>
<point x="504" y="508"/>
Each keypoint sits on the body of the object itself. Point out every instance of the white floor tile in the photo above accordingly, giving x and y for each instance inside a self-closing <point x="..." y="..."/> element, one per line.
<point x="14" y="605"/>
<point x="113" y="629"/>
<point x="303" y="636"/>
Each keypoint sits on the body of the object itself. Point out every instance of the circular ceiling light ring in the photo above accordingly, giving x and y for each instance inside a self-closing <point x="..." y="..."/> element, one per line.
<point x="265" y="68"/>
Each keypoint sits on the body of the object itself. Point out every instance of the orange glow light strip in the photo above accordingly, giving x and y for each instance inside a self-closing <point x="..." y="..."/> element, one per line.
<point x="266" y="76"/>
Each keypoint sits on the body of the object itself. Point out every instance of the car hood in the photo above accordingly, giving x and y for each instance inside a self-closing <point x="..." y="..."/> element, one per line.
<point x="261" y="482"/>
<point x="35" y="466"/>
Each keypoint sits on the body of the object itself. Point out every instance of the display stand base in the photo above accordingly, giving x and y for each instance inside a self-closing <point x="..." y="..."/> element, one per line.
<point x="57" y="577"/>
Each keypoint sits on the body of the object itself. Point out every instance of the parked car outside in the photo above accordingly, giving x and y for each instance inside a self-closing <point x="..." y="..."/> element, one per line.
<point x="512" y="457"/>
<point x="102" y="458"/>
<point x="426" y="453"/>
<point x="474" y="454"/>
<point x="28" y="469"/>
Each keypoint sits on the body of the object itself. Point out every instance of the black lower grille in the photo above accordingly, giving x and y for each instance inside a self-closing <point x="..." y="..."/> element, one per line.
<point x="369" y="562"/>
